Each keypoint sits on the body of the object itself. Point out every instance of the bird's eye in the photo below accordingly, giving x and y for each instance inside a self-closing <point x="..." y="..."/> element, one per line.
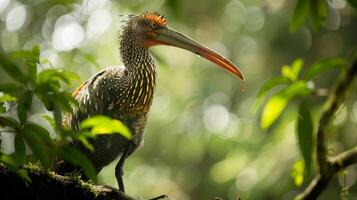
<point x="154" y="25"/>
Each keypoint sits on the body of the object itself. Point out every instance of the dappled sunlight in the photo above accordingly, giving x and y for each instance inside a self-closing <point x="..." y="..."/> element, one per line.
<point x="202" y="138"/>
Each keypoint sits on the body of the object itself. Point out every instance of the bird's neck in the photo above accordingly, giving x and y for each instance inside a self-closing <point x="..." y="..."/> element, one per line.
<point x="138" y="61"/>
<point x="141" y="71"/>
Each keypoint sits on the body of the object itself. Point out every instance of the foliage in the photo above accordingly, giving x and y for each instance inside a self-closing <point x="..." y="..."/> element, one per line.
<point x="298" y="91"/>
<point x="47" y="85"/>
<point x="201" y="140"/>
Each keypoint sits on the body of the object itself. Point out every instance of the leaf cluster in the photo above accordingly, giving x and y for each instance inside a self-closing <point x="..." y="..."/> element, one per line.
<point x="29" y="80"/>
<point x="294" y="87"/>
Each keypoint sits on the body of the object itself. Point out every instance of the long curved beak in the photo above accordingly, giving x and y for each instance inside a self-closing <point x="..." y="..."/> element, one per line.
<point x="173" y="38"/>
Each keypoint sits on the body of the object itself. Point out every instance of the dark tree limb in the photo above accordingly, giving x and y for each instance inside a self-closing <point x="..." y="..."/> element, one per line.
<point x="337" y="163"/>
<point x="48" y="185"/>
<point x="329" y="167"/>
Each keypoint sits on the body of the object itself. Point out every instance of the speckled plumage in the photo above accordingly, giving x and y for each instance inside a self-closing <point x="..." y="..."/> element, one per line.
<point x="121" y="92"/>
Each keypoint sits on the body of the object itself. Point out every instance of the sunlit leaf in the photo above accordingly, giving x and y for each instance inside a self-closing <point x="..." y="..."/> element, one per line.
<point x="85" y="142"/>
<point x="296" y="67"/>
<point x="7" y="98"/>
<point x="321" y="66"/>
<point x="264" y="89"/>
<point x="304" y="130"/>
<point x="297" y="173"/>
<point x="300" y="14"/>
<point x="105" y="125"/>
<point x="287" y="72"/>
<point x="277" y="103"/>
<point x="78" y="158"/>
<point x="298" y="88"/>
<point x="19" y="149"/>
<point x="273" y="109"/>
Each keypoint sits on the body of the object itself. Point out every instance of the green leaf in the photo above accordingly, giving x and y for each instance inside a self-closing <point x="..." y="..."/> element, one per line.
<point x="19" y="149"/>
<point x="7" y="98"/>
<point x="42" y="133"/>
<point x="9" y="121"/>
<point x="304" y="130"/>
<point x="268" y="85"/>
<point x="321" y="9"/>
<point x="40" y="143"/>
<point x="300" y="14"/>
<point x="321" y="66"/>
<point x="272" y="110"/>
<point x="297" y="173"/>
<point x="83" y="137"/>
<point x="21" y="112"/>
<point x="12" y="69"/>
<point x="12" y="88"/>
<point x="319" y="12"/>
<point x="85" y="142"/>
<point x="78" y="158"/>
<point x="352" y="3"/>
<point x="24" y="175"/>
<point x="276" y="104"/>
<point x="32" y="58"/>
<point x="65" y="101"/>
<point x="287" y="72"/>
<point x="105" y="125"/>
<point x="296" y="66"/>
<point x="49" y="75"/>
<point x="34" y="62"/>
<point x="2" y="107"/>
<point x="8" y="160"/>
<point x="50" y="120"/>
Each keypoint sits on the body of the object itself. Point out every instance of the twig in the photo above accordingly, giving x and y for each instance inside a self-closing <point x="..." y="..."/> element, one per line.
<point x="329" y="167"/>
<point x="319" y="183"/>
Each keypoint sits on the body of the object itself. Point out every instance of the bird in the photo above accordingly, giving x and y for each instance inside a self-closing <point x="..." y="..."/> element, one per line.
<point x="126" y="92"/>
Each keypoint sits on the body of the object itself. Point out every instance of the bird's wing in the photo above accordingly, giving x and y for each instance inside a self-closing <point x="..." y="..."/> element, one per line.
<point x="97" y="95"/>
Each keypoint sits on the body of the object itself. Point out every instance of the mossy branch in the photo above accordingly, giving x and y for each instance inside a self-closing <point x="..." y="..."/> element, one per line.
<point x="48" y="185"/>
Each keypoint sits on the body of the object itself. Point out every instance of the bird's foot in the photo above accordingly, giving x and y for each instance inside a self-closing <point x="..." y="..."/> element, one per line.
<point x="160" y="197"/>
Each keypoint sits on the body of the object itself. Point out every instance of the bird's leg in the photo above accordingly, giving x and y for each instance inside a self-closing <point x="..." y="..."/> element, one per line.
<point x="119" y="167"/>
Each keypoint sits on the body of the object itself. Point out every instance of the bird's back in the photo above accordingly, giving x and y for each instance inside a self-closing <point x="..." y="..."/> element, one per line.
<point x="110" y="93"/>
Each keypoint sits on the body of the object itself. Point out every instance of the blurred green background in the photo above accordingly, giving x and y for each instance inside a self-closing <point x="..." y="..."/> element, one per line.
<point x="202" y="139"/>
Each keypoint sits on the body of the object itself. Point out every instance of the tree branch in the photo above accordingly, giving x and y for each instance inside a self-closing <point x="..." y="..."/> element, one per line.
<point x="328" y="167"/>
<point x="48" y="185"/>
<point x="319" y="183"/>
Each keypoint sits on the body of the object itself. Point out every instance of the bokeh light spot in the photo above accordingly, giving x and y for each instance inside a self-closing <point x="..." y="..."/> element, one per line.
<point x="216" y="118"/>
<point x="16" y="18"/>
<point x="68" y="34"/>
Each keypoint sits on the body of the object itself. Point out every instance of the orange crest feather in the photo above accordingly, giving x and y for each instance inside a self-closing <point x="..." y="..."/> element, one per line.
<point x="156" y="17"/>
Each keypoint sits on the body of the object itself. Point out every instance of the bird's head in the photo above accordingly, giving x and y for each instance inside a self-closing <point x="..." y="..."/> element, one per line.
<point x="150" y="29"/>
